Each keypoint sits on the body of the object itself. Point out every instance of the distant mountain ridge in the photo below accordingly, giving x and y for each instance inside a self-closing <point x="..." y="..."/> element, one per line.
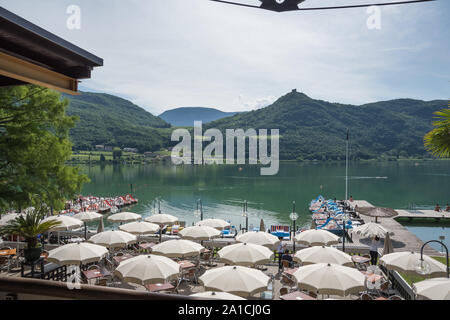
<point x="316" y="129"/>
<point x="110" y="120"/>
<point x="185" y="116"/>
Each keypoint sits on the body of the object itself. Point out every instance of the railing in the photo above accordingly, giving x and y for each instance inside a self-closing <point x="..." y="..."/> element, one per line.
<point x="399" y="284"/>
<point x="24" y="288"/>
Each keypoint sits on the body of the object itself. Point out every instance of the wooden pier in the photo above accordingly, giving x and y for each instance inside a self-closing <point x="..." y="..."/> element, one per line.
<point x="403" y="239"/>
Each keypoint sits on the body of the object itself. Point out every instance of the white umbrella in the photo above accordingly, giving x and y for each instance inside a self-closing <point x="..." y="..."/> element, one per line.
<point x="317" y="238"/>
<point x="65" y="223"/>
<point x="372" y="229"/>
<point x="9" y="217"/>
<point x="76" y="253"/>
<point x="407" y="262"/>
<point x="218" y="224"/>
<point x="124" y="217"/>
<point x="199" y="233"/>
<point x="323" y="255"/>
<point x="217" y="295"/>
<point x="162" y="219"/>
<point x="139" y="227"/>
<point x="241" y="281"/>
<point x="245" y="254"/>
<point x="262" y="238"/>
<point x="177" y="248"/>
<point x="433" y="289"/>
<point x="87" y="216"/>
<point x="326" y="278"/>
<point x="147" y="269"/>
<point x="113" y="239"/>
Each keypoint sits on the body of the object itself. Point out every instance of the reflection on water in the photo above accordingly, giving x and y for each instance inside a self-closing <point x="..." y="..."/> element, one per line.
<point x="223" y="188"/>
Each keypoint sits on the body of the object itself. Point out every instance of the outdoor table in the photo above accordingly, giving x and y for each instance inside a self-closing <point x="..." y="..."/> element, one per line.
<point x="146" y="246"/>
<point x="9" y="252"/>
<point x="185" y="264"/>
<point x="96" y="273"/>
<point x="359" y="259"/>
<point x="119" y="259"/>
<point x="381" y="298"/>
<point x="290" y="271"/>
<point x="372" y="277"/>
<point x="296" y="295"/>
<point x="155" y="287"/>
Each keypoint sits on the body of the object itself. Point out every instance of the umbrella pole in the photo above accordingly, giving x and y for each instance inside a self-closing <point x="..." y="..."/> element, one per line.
<point x="85" y="231"/>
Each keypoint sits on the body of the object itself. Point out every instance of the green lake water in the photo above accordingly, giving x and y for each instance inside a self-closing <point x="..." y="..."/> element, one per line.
<point x="223" y="188"/>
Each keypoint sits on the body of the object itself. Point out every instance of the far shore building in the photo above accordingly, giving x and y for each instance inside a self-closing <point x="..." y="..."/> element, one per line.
<point x="130" y="150"/>
<point x="108" y="148"/>
<point x="99" y="147"/>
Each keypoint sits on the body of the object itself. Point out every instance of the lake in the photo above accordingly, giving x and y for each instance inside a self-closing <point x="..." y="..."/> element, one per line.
<point x="223" y="188"/>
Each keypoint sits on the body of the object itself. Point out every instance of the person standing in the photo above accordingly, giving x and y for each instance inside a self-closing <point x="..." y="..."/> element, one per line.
<point x="375" y="245"/>
<point x="280" y="251"/>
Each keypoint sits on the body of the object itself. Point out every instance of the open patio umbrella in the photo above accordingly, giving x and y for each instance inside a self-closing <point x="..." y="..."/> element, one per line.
<point x="139" y="227"/>
<point x="433" y="289"/>
<point x="241" y="281"/>
<point x="377" y="212"/>
<point x="162" y="219"/>
<point x="406" y="262"/>
<point x="372" y="229"/>
<point x="124" y="217"/>
<point x="76" y="253"/>
<point x="9" y="217"/>
<point x="113" y="239"/>
<point x="314" y="237"/>
<point x="217" y="295"/>
<point x="323" y="255"/>
<point x="218" y="224"/>
<point x="262" y="238"/>
<point x="387" y="248"/>
<point x="65" y="223"/>
<point x="326" y="278"/>
<point x="245" y="254"/>
<point x="87" y="216"/>
<point x="177" y="248"/>
<point x="147" y="269"/>
<point x="199" y="233"/>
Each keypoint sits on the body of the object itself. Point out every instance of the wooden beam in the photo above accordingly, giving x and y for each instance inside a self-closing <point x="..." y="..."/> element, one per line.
<point x="22" y="70"/>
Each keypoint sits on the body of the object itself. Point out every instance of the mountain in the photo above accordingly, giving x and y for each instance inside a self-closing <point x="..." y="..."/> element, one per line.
<point x="315" y="129"/>
<point x="110" y="120"/>
<point x="187" y="115"/>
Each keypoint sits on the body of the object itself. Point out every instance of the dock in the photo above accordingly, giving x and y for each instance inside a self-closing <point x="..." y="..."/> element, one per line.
<point x="403" y="239"/>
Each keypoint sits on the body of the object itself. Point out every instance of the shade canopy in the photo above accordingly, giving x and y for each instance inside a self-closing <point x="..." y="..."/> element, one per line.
<point x="323" y="255"/>
<point x="377" y="212"/>
<point x="147" y="269"/>
<point x="245" y="254"/>
<point x="314" y="237"/>
<point x="238" y="280"/>
<point x="218" y="224"/>
<point x="162" y="219"/>
<point x="217" y="295"/>
<point x="177" y="248"/>
<point x="76" y="253"/>
<point x="124" y="217"/>
<point x="113" y="239"/>
<point x="406" y="262"/>
<point x="371" y="229"/>
<point x="9" y="217"/>
<point x="433" y="289"/>
<point x="199" y="233"/>
<point x="262" y="238"/>
<point x="65" y="223"/>
<point x="325" y="278"/>
<point x="139" y="227"/>
<point x="88" y="216"/>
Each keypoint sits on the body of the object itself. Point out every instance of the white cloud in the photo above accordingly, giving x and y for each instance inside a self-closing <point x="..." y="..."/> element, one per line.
<point x="259" y="103"/>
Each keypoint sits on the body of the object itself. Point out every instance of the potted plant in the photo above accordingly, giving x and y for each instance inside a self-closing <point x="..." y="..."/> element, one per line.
<point x="29" y="226"/>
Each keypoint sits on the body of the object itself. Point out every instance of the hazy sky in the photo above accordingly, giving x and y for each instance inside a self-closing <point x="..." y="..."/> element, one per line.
<point x="163" y="54"/>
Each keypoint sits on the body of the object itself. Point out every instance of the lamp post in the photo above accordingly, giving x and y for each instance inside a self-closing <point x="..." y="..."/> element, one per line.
<point x="345" y="218"/>
<point x="294" y="217"/>
<point x="201" y="210"/>
<point x="422" y="267"/>
<point x="245" y="214"/>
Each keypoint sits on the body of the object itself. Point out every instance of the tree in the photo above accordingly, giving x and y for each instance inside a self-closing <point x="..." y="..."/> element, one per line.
<point x="437" y="141"/>
<point x="117" y="153"/>
<point x="102" y="158"/>
<point x="34" y="147"/>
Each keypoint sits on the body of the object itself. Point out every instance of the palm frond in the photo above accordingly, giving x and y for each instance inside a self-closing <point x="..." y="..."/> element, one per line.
<point x="437" y="141"/>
